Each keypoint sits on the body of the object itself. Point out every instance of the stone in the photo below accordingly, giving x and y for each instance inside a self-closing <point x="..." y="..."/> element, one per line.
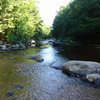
<point x="22" y="46"/>
<point x="56" y="67"/>
<point x="3" y="47"/>
<point x="92" y="77"/>
<point x="9" y="93"/>
<point x="86" y="70"/>
<point x="3" y="58"/>
<point x="11" y="58"/>
<point x="31" y="43"/>
<point x="38" y="59"/>
<point x="32" y="57"/>
<point x="19" y="87"/>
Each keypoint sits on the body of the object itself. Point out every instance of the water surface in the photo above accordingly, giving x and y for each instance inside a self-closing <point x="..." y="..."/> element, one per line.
<point x="39" y="80"/>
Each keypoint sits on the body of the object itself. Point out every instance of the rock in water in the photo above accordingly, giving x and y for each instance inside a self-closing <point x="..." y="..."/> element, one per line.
<point x="9" y="93"/>
<point x="86" y="70"/>
<point x="3" y="58"/>
<point x="56" y="67"/>
<point x="93" y="77"/>
<point x="39" y="59"/>
<point x="11" y="58"/>
<point x="19" y="87"/>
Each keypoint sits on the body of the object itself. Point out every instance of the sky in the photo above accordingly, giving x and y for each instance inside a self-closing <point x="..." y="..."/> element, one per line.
<point x="48" y="9"/>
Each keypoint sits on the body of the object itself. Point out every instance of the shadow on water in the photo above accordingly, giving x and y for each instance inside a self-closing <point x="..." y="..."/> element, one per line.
<point x="80" y="52"/>
<point x="27" y="79"/>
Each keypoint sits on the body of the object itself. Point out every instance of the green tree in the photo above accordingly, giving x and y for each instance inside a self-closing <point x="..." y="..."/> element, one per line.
<point x="20" y="21"/>
<point x="80" y="20"/>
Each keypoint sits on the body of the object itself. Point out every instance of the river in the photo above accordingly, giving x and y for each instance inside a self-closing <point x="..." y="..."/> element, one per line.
<point x="25" y="79"/>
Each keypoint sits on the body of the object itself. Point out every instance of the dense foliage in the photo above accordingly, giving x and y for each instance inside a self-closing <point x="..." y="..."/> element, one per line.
<point x="80" y="20"/>
<point x="20" y="21"/>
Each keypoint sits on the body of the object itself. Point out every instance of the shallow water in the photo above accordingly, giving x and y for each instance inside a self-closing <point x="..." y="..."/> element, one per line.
<point x="39" y="80"/>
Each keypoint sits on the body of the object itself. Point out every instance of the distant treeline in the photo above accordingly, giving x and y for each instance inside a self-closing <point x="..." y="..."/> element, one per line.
<point x="80" y="21"/>
<point x="20" y="21"/>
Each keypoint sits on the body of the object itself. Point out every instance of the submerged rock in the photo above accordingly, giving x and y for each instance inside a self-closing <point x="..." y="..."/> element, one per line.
<point x="4" y="58"/>
<point x="11" y="58"/>
<point x="85" y="70"/>
<point x="56" y="67"/>
<point x="9" y="93"/>
<point x="38" y="59"/>
<point x="19" y="87"/>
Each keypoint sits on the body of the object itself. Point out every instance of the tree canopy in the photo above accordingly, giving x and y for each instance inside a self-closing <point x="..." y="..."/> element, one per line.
<point x="20" y="21"/>
<point x="80" y="20"/>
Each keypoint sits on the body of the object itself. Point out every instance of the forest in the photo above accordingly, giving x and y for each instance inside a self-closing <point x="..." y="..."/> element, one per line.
<point x="20" y="21"/>
<point x="78" y="21"/>
<point x="49" y="62"/>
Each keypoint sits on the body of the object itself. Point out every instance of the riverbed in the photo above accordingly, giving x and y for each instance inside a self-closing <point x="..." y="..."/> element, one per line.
<point x="22" y="78"/>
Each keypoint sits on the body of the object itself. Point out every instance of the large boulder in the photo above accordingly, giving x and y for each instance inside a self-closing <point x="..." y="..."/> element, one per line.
<point x="85" y="70"/>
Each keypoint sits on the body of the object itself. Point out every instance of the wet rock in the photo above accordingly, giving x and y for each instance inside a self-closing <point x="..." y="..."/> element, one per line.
<point x="38" y="59"/>
<point x="3" y="58"/>
<point x="14" y="47"/>
<point x="43" y="47"/>
<point x="19" y="87"/>
<point x="85" y="70"/>
<point x="32" y="57"/>
<point x="3" y="47"/>
<point x="56" y="67"/>
<point x="18" y="70"/>
<point x="9" y="93"/>
<point x="17" y="47"/>
<point x="23" y="54"/>
<point x="93" y="77"/>
<point x="6" y="47"/>
<point x="22" y="46"/>
<point x="11" y="58"/>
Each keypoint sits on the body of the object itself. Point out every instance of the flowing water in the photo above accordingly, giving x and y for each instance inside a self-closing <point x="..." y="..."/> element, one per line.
<point x="25" y="79"/>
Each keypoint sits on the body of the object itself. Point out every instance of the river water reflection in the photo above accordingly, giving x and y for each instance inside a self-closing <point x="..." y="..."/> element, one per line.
<point x="29" y="80"/>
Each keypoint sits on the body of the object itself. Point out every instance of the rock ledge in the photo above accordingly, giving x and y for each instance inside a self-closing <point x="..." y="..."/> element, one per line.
<point x="86" y="70"/>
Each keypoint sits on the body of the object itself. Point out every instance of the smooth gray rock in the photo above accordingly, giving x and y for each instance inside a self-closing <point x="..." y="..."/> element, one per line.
<point x="19" y="87"/>
<point x="3" y="47"/>
<point x="92" y="77"/>
<point x="9" y="93"/>
<point x="36" y="58"/>
<point x="86" y="70"/>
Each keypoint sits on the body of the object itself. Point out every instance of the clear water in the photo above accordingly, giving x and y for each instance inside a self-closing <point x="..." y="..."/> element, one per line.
<point x="40" y="80"/>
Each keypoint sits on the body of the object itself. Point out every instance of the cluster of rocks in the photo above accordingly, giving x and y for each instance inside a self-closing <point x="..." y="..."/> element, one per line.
<point x="10" y="93"/>
<point x="85" y="70"/>
<point x="6" y="47"/>
<point x="20" y="46"/>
